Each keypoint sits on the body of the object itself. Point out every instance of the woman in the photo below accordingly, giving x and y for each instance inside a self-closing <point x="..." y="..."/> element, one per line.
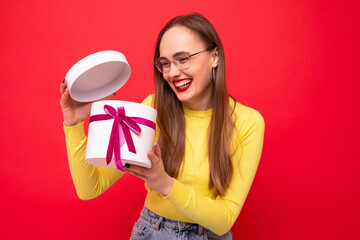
<point x="207" y="146"/>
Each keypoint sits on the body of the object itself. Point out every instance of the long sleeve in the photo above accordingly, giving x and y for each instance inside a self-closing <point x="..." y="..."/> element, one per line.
<point x="220" y="213"/>
<point x="90" y="181"/>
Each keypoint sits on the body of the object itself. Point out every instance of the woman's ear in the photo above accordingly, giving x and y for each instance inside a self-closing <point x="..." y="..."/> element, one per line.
<point x="215" y="58"/>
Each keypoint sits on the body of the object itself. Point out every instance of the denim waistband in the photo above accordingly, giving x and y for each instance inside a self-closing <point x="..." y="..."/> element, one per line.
<point x="158" y="221"/>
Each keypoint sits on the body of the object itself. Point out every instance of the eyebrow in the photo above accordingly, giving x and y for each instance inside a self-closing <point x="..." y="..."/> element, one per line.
<point x="176" y="54"/>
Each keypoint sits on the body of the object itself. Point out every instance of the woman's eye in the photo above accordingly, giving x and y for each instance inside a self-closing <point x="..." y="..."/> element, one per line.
<point x="182" y="59"/>
<point x="165" y="64"/>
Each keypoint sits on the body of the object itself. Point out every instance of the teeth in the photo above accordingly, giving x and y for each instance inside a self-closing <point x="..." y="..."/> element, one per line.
<point x="182" y="83"/>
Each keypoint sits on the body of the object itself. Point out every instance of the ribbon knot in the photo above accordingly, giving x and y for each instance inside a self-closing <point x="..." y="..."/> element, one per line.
<point x="120" y="132"/>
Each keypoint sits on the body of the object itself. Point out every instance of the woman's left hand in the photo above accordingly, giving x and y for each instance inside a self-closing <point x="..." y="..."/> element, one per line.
<point x="155" y="177"/>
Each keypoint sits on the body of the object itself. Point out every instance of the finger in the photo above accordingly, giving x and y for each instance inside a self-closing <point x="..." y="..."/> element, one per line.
<point x="138" y="169"/>
<point x="136" y="173"/>
<point x="65" y="97"/>
<point x="153" y="158"/>
<point x="63" y="86"/>
<point x="157" y="150"/>
<point x="109" y="97"/>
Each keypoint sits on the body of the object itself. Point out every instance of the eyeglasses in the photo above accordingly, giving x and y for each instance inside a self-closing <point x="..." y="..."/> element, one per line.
<point x="181" y="61"/>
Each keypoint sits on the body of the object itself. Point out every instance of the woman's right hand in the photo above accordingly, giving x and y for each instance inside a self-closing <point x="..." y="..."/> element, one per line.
<point x="74" y="112"/>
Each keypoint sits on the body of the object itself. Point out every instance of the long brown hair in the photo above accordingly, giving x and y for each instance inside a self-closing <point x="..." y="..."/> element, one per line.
<point x="170" y="118"/>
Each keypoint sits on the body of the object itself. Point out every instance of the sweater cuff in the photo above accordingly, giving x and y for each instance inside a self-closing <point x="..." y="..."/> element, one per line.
<point x="74" y="134"/>
<point x="179" y="194"/>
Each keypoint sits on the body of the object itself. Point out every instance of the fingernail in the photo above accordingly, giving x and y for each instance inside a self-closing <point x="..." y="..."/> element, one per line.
<point x="127" y="165"/>
<point x="63" y="81"/>
<point x="156" y="144"/>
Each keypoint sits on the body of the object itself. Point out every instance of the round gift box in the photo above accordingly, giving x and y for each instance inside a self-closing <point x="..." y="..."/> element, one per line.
<point x="97" y="76"/>
<point x="99" y="135"/>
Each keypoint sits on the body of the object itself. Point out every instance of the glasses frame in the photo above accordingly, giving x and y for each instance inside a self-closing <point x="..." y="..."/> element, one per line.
<point x="175" y="63"/>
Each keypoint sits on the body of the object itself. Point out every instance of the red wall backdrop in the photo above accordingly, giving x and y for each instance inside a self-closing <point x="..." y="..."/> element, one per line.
<point x="295" y="61"/>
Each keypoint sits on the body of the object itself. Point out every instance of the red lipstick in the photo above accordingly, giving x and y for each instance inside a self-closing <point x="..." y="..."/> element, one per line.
<point x="183" y="87"/>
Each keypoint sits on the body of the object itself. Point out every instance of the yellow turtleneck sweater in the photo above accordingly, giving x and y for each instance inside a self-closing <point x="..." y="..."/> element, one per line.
<point x="190" y="200"/>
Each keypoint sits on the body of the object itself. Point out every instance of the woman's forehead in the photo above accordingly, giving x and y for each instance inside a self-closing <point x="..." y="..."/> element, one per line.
<point x="179" y="39"/>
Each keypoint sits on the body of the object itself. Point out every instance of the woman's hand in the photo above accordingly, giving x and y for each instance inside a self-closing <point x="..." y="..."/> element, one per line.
<point x="74" y="112"/>
<point x="155" y="177"/>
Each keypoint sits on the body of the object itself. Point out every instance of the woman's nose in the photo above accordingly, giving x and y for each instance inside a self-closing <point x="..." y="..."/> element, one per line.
<point x="174" y="71"/>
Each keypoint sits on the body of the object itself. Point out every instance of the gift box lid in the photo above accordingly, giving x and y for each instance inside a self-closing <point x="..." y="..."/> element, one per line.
<point x="97" y="75"/>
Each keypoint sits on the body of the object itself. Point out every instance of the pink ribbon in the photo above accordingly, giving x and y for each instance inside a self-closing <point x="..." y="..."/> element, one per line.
<point x="120" y="132"/>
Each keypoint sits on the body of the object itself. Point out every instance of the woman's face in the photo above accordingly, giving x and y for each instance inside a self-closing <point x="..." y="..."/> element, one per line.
<point x="193" y="86"/>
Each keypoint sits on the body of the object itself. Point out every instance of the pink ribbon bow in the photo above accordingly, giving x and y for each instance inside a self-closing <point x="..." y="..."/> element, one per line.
<point x="120" y="132"/>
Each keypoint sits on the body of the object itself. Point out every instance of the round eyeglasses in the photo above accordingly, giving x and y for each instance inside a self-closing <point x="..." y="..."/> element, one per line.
<point x="181" y="60"/>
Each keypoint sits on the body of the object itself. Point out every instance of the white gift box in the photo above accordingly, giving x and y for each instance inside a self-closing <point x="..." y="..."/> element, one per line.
<point x="97" y="76"/>
<point x="100" y="131"/>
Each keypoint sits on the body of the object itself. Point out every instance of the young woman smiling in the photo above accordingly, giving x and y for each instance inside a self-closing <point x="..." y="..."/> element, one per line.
<point x="207" y="146"/>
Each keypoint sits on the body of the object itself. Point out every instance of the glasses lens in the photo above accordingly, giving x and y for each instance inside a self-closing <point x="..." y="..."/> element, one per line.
<point x="182" y="61"/>
<point x="163" y="65"/>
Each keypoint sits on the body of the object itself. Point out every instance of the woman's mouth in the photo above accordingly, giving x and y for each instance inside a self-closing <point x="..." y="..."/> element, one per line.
<point x="182" y="84"/>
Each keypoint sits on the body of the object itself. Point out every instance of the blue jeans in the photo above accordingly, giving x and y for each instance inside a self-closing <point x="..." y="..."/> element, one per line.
<point x="152" y="226"/>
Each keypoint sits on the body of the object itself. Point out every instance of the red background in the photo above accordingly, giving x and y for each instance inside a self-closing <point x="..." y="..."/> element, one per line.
<point x="294" y="61"/>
